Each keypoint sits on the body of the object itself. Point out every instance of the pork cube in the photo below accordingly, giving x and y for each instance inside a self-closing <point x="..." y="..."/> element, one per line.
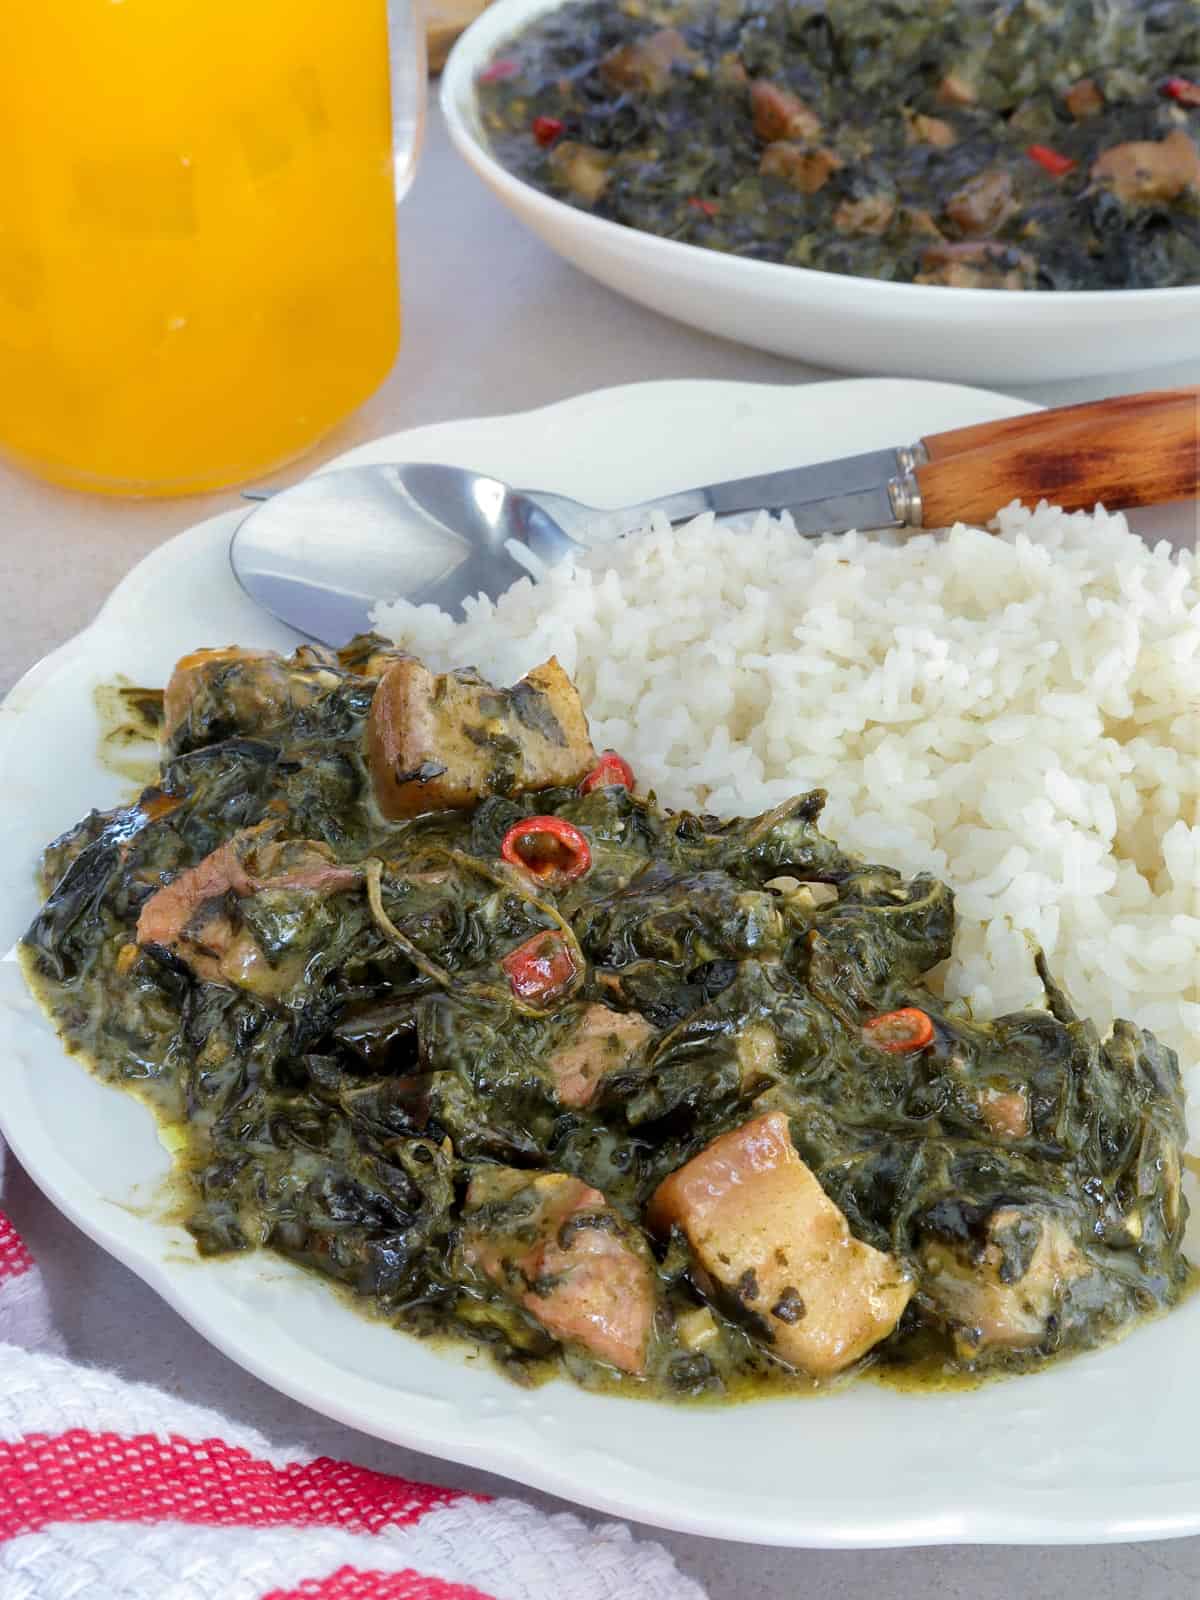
<point x="936" y="131"/>
<point x="1005" y="1112"/>
<point x="984" y="203"/>
<point x="599" y="1043"/>
<point x="779" y="114"/>
<point x="1002" y="1292"/>
<point x="647" y="64"/>
<point x="761" y="1227"/>
<point x="977" y="264"/>
<point x="1150" y="171"/>
<point x="556" y="1247"/>
<point x="581" y="168"/>
<point x="804" y="168"/>
<point x="956" y="89"/>
<point x="216" y="693"/>
<point x="190" y="675"/>
<point x="443" y="743"/>
<point x="871" y="214"/>
<point x="195" y="915"/>
<point x="1084" y="99"/>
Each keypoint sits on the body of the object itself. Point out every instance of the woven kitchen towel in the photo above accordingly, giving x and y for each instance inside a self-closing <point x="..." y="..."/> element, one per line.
<point x="115" y="1491"/>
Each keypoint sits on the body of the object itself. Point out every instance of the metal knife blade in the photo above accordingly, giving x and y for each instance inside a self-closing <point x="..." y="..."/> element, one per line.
<point x="838" y="513"/>
<point x="826" y="497"/>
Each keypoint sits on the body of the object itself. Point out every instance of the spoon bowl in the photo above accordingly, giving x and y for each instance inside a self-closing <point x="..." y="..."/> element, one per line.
<point x="323" y="553"/>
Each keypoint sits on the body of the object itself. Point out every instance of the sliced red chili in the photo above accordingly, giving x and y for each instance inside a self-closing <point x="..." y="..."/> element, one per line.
<point x="609" y="771"/>
<point x="1055" y="163"/>
<point x="550" y="848"/>
<point x="1183" y="90"/>
<point x="910" y="1028"/>
<point x="497" y="71"/>
<point x="547" y="129"/>
<point x="540" y="969"/>
<point x="709" y="207"/>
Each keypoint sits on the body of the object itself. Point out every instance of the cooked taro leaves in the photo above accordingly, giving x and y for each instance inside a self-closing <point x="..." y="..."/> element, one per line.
<point x="669" y="1104"/>
<point x="995" y="144"/>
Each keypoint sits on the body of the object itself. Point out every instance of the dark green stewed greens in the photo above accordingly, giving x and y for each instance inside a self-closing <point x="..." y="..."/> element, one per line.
<point x="661" y="1098"/>
<point x="1013" y="144"/>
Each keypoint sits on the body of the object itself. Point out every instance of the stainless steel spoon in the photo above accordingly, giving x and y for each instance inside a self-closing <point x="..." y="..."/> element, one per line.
<point x="322" y="554"/>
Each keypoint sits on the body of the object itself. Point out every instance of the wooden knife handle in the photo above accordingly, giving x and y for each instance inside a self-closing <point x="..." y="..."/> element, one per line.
<point x="956" y="440"/>
<point x="1123" y="454"/>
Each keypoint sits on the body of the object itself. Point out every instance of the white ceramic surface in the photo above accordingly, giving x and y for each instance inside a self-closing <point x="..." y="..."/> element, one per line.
<point x="851" y="324"/>
<point x="1101" y="1448"/>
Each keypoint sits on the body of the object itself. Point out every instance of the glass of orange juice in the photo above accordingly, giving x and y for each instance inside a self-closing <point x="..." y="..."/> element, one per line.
<point x="197" y="231"/>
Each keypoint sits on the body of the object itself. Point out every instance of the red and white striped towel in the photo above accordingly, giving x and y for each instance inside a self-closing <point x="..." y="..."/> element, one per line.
<point x="115" y="1491"/>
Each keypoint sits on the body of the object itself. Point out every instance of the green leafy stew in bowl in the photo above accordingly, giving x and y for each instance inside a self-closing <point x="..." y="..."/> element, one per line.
<point x="1003" y="144"/>
<point x="437" y="1004"/>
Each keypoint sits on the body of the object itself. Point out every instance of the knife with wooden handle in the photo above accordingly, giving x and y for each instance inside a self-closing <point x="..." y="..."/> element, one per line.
<point x="1132" y="450"/>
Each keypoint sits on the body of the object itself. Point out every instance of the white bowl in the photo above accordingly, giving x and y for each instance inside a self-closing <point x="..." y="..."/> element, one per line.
<point x="852" y="324"/>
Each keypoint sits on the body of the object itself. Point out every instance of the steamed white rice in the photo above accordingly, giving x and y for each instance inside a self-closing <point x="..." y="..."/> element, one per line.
<point x="1015" y="713"/>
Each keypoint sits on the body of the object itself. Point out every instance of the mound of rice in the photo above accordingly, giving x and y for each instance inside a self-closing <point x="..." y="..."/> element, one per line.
<point x="1015" y="713"/>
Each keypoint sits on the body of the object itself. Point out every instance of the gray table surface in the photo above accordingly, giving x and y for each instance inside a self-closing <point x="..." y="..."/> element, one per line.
<point x="493" y="323"/>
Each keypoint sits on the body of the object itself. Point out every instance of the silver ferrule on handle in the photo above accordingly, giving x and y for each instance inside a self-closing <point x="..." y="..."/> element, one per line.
<point x="911" y="456"/>
<point x="904" y="493"/>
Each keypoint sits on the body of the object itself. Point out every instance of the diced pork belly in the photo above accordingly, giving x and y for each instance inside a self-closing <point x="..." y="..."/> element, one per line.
<point x="977" y="264"/>
<point x="930" y="130"/>
<point x="1148" y="170"/>
<point x="557" y="1248"/>
<point x="251" y="689"/>
<point x="984" y="203"/>
<point x="647" y="64"/>
<point x="1002" y="1293"/>
<point x="192" y="916"/>
<point x="600" y="1043"/>
<point x="779" y="114"/>
<point x="872" y="214"/>
<point x="1084" y="99"/>
<point x="956" y="90"/>
<point x="1005" y="1112"/>
<point x="582" y="168"/>
<point x="167" y="914"/>
<point x="806" y="169"/>
<point x="443" y="743"/>
<point x="762" y="1228"/>
<point x="368" y="655"/>
<point x="190" y="674"/>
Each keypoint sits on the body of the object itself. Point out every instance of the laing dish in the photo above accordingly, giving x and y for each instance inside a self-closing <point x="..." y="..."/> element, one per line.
<point x="440" y="1006"/>
<point x="1030" y="145"/>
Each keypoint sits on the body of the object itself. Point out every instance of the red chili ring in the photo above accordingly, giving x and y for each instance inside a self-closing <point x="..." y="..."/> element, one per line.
<point x="1184" y="90"/>
<point x="897" y="1032"/>
<point x="541" y="968"/>
<point x="550" y="848"/>
<point x="609" y="772"/>
<point x="1056" y="164"/>
<point x="546" y="130"/>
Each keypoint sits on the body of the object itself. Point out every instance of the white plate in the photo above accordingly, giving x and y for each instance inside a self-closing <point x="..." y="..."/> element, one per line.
<point x="1103" y="1447"/>
<point x="851" y="324"/>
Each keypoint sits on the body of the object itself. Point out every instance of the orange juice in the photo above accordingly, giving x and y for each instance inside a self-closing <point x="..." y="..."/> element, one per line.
<point x="197" y="235"/>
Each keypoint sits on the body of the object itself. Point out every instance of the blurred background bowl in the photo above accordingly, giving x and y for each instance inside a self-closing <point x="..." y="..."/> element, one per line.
<point x="851" y="324"/>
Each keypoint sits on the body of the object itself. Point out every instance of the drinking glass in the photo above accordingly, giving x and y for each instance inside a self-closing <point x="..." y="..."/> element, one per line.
<point x="198" y="272"/>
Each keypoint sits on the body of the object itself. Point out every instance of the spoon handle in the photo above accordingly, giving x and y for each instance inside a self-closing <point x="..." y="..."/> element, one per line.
<point x="1141" y="450"/>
